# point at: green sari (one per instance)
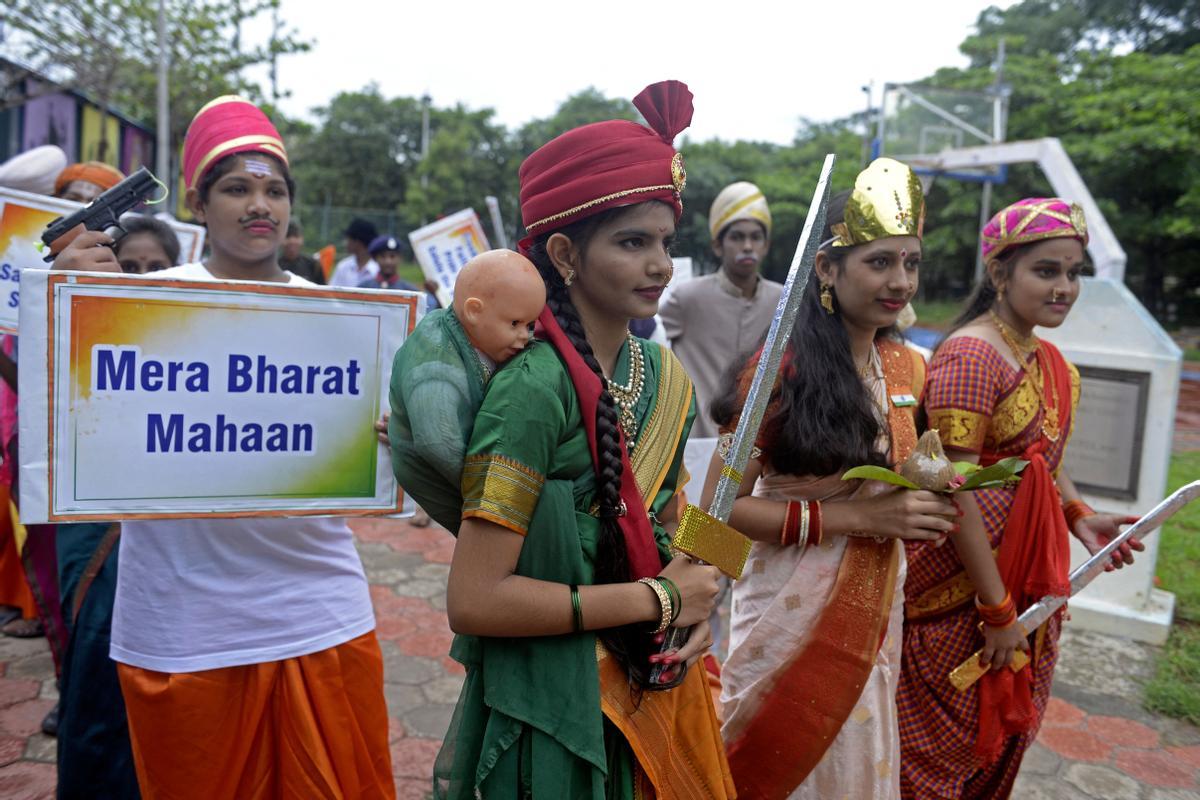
(529, 721)
(437, 378)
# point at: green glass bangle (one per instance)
(576, 608)
(676, 597)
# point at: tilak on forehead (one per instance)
(259, 168)
(227, 126)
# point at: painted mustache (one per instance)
(245, 221)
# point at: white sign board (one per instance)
(145, 397)
(23, 217)
(443, 247)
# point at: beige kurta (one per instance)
(711, 326)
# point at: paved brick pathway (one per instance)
(1098, 742)
(1187, 414)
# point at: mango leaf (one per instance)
(1002, 472)
(965, 467)
(871, 473)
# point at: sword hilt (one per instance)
(709, 541)
(965, 675)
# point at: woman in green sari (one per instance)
(562, 580)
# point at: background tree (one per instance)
(108, 49)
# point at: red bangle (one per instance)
(814, 523)
(791, 525)
(1000, 615)
(1075, 511)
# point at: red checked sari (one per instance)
(981, 404)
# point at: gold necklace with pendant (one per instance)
(1021, 350)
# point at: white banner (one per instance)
(145, 397)
(443, 247)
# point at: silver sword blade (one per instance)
(1082, 575)
(759, 395)
(764, 375)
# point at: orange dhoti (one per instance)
(315, 726)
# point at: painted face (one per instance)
(247, 211)
(502, 325)
(81, 191)
(742, 248)
(626, 264)
(877, 281)
(388, 261)
(1044, 283)
(141, 253)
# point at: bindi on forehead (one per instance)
(260, 169)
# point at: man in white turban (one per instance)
(34, 170)
(714, 320)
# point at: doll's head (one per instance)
(497, 297)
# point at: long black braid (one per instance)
(631, 645)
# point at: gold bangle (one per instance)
(664, 602)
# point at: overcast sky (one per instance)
(755, 68)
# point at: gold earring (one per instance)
(570, 277)
(1000, 295)
(826, 298)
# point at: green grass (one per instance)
(1191, 354)
(937, 314)
(1175, 689)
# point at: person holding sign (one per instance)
(562, 576)
(996, 390)
(246, 648)
(809, 697)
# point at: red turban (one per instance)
(225, 126)
(96, 172)
(595, 167)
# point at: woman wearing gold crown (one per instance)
(995, 390)
(810, 682)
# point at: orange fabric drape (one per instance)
(674, 735)
(14, 586)
(315, 726)
(815, 692)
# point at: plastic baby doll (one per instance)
(439, 375)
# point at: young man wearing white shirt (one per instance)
(358, 266)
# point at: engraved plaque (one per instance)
(1104, 456)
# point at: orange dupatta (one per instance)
(813, 695)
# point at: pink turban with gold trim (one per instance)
(224, 127)
(1032, 220)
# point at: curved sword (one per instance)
(966, 673)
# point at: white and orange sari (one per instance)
(810, 683)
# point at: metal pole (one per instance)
(985, 199)
(866, 155)
(425, 101)
(162, 161)
(985, 213)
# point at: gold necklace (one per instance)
(626, 397)
(1021, 350)
(1019, 344)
